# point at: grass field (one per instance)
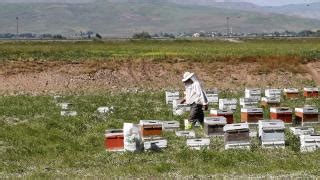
(35, 141)
(195, 50)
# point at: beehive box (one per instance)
(228, 104)
(282, 113)
(65, 105)
(171, 96)
(249, 102)
(68, 113)
(305, 130)
(236, 136)
(151, 128)
(198, 144)
(252, 92)
(310, 92)
(213, 126)
(180, 109)
(291, 93)
(251, 115)
(270, 101)
(228, 114)
(170, 125)
(307, 115)
(273, 93)
(114, 140)
(154, 143)
(213, 96)
(309, 143)
(271, 133)
(186, 134)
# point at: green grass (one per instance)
(36, 142)
(198, 50)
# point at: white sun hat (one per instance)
(186, 76)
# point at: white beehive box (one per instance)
(171, 96)
(155, 143)
(309, 143)
(252, 92)
(104, 110)
(187, 134)
(306, 130)
(65, 106)
(68, 113)
(228, 104)
(271, 133)
(180, 109)
(249, 102)
(170, 125)
(273, 93)
(236, 136)
(213, 97)
(213, 126)
(198, 144)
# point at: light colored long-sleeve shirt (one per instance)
(195, 94)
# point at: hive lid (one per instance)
(198, 142)
(280, 110)
(271, 124)
(218, 120)
(311, 89)
(150, 122)
(219, 111)
(239, 126)
(291, 90)
(252, 110)
(185, 134)
(307, 110)
(171, 123)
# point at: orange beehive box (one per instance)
(151, 127)
(281, 113)
(251, 115)
(310, 92)
(291, 93)
(228, 114)
(307, 115)
(114, 140)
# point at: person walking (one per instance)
(196, 97)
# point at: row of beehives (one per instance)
(67, 109)
(252, 98)
(147, 135)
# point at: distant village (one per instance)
(163, 35)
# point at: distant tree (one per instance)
(98, 36)
(142, 35)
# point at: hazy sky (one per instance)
(259, 2)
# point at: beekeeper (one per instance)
(196, 97)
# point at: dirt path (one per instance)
(52, 78)
(314, 70)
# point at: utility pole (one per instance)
(17, 18)
(228, 26)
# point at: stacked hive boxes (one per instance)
(310, 92)
(151, 132)
(228, 104)
(171, 96)
(271, 133)
(213, 126)
(213, 96)
(228, 114)
(236, 136)
(251, 115)
(253, 93)
(249, 102)
(306, 115)
(282, 113)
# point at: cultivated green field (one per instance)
(35, 141)
(195, 50)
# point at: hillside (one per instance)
(123, 18)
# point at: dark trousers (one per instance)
(196, 114)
